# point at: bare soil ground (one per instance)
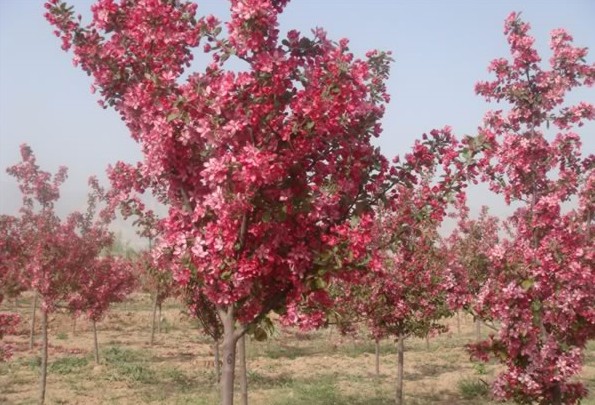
(292, 367)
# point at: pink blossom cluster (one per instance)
(540, 280)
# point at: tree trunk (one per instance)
(243, 370)
(557, 395)
(44, 357)
(377, 353)
(159, 318)
(459, 322)
(217, 362)
(96, 345)
(400, 349)
(428, 342)
(32, 330)
(477, 329)
(153, 321)
(74, 326)
(227, 317)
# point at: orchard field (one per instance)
(269, 213)
(293, 367)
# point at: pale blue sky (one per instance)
(441, 48)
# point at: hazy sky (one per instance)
(441, 48)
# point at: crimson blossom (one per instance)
(540, 282)
(10, 253)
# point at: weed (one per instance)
(179, 378)
(114, 354)
(471, 388)
(264, 381)
(32, 362)
(480, 368)
(287, 352)
(67, 365)
(127, 365)
(132, 372)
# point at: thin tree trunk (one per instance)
(428, 342)
(477, 329)
(159, 318)
(459, 322)
(44, 357)
(400, 361)
(557, 395)
(243, 370)
(74, 326)
(96, 344)
(377, 353)
(153, 321)
(32, 330)
(229, 355)
(217, 361)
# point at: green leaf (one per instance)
(172, 116)
(526, 284)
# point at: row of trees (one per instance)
(67, 263)
(277, 201)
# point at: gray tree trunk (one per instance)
(153, 321)
(243, 370)
(32, 330)
(96, 344)
(400, 362)
(459, 322)
(377, 355)
(217, 362)
(477, 329)
(43, 371)
(159, 318)
(227, 317)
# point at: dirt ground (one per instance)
(292, 367)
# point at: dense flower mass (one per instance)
(275, 193)
(540, 280)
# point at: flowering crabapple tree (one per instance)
(153, 269)
(10, 255)
(540, 286)
(13, 283)
(53, 251)
(106, 280)
(407, 296)
(303, 107)
(468, 248)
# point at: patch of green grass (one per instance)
(132, 372)
(128, 365)
(306, 393)
(115, 354)
(197, 399)
(357, 349)
(275, 351)
(263, 381)
(62, 336)
(480, 368)
(471, 388)
(67, 365)
(32, 362)
(181, 381)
